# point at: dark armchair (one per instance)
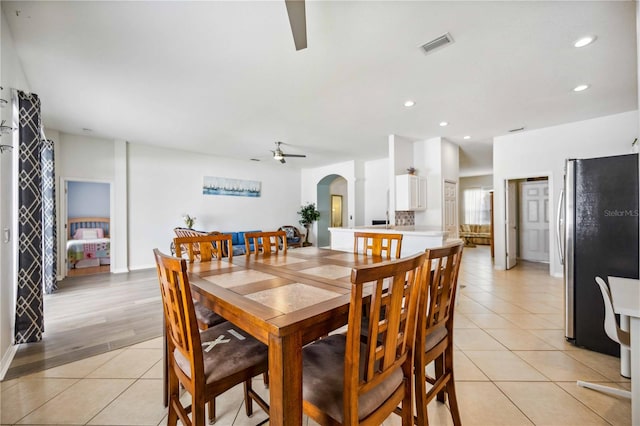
(294, 237)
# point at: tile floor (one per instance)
(513, 367)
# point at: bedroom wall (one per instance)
(11, 76)
(88, 199)
(164, 184)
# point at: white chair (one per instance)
(615, 333)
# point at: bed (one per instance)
(88, 245)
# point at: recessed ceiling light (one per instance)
(585, 41)
(466, 137)
(443, 124)
(409, 103)
(86, 129)
(581, 87)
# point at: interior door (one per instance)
(451, 208)
(511, 198)
(534, 221)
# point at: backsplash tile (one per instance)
(405, 218)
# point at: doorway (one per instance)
(527, 220)
(89, 204)
(328, 187)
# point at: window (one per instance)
(476, 206)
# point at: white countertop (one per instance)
(405, 230)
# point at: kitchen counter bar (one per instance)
(414, 239)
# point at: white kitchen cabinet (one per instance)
(411, 192)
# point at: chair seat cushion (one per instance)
(323, 379)
(228, 352)
(206, 315)
(435, 337)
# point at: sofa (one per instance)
(475, 234)
(237, 239)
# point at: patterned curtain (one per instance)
(29, 310)
(49, 239)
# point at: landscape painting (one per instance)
(235, 187)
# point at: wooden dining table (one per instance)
(285, 300)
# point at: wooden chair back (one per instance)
(434, 336)
(378, 244)
(181, 325)
(293, 234)
(265, 242)
(392, 309)
(188, 232)
(207, 246)
(443, 265)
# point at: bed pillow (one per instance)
(88, 233)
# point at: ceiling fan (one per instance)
(298, 22)
(279, 155)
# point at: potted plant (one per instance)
(308, 214)
(189, 220)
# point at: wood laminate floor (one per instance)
(90, 315)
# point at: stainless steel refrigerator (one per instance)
(600, 239)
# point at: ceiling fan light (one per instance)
(277, 156)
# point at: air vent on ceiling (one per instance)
(516, 130)
(437, 43)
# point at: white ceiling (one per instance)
(224, 77)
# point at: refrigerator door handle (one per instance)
(559, 227)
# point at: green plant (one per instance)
(189, 221)
(308, 214)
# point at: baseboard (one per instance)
(6, 360)
(120, 271)
(141, 267)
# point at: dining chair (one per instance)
(206, 364)
(294, 237)
(434, 336)
(615, 333)
(188, 232)
(347, 381)
(209, 247)
(377, 244)
(265, 242)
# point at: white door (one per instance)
(451, 208)
(534, 221)
(511, 198)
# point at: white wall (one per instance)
(543, 152)
(309, 184)
(401, 157)
(11, 77)
(376, 190)
(164, 184)
(83, 158)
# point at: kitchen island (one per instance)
(414, 239)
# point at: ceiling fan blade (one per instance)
(298, 22)
(282, 160)
(294, 155)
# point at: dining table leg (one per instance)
(285, 379)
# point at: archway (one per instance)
(327, 186)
